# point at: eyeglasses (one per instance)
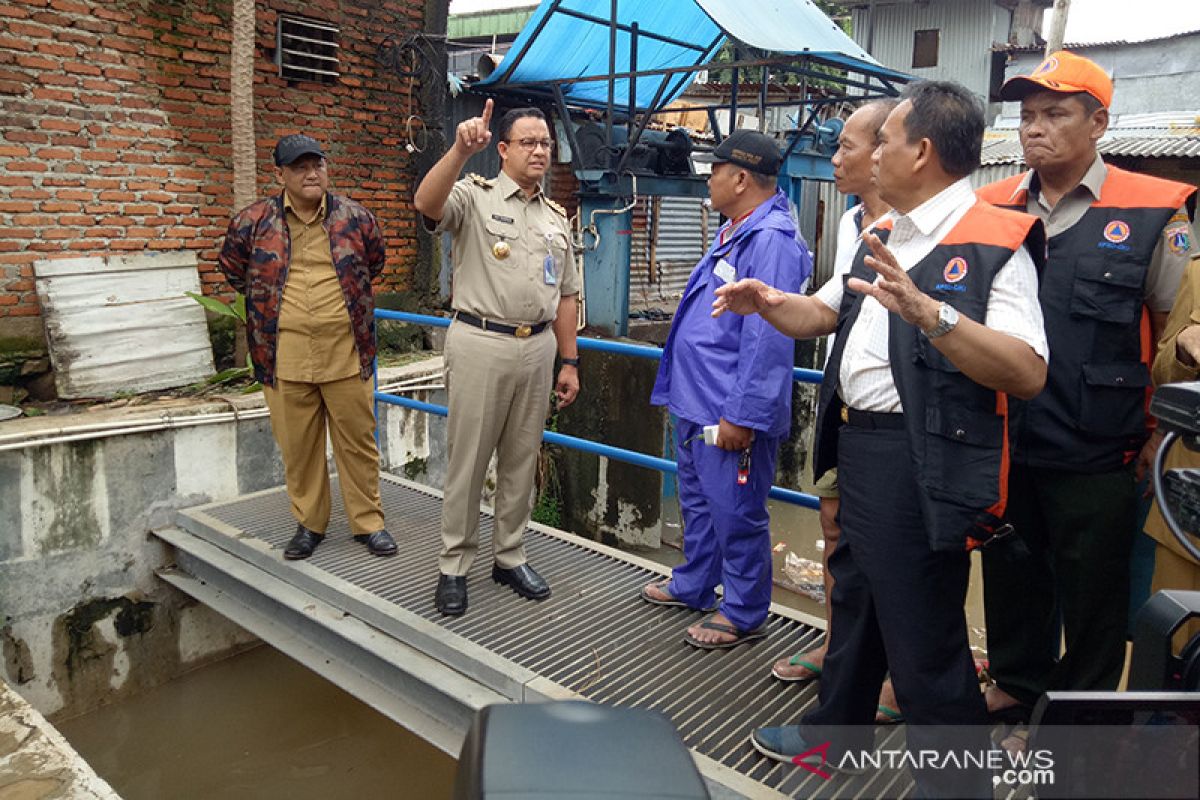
(529, 145)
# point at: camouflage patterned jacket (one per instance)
(255, 260)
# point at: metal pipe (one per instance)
(733, 94)
(584, 342)
(560, 100)
(764, 76)
(633, 68)
(612, 77)
(605, 450)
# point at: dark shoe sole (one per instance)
(296, 556)
(523, 593)
(457, 612)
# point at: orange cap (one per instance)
(1062, 72)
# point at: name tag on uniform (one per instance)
(505, 220)
(725, 271)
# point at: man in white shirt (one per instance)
(934, 330)
(852, 175)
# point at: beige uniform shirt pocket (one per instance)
(503, 244)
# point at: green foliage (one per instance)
(236, 309)
(547, 509)
(415, 468)
(235, 312)
(392, 337)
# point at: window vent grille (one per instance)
(306, 50)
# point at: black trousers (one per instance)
(1074, 584)
(897, 606)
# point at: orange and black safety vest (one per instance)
(1091, 415)
(956, 427)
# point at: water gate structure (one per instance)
(368, 624)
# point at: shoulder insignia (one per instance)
(562, 212)
(1178, 236)
(479, 180)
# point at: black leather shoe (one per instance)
(523, 580)
(451, 596)
(380, 543)
(302, 544)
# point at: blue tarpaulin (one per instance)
(566, 39)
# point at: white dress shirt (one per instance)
(865, 377)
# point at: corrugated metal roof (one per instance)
(507, 22)
(1085, 45)
(1141, 143)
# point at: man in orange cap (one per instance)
(1118, 243)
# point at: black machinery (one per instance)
(574, 750)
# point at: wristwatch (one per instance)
(570, 362)
(947, 320)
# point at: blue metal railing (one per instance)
(587, 445)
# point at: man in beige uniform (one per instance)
(305, 260)
(514, 277)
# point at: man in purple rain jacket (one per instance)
(735, 373)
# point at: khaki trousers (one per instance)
(499, 389)
(300, 415)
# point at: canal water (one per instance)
(256, 726)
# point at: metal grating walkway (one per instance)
(593, 638)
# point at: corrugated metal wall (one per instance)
(681, 235)
(831, 204)
(996, 172)
(964, 49)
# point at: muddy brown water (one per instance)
(254, 727)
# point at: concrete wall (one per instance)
(85, 621)
(37, 762)
(1148, 77)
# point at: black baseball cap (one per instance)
(291, 147)
(748, 149)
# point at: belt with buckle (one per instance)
(519, 331)
(872, 420)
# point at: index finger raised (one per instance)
(487, 112)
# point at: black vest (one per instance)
(956, 427)
(1091, 415)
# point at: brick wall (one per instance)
(115, 131)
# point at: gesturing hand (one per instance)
(472, 135)
(894, 290)
(1187, 345)
(745, 297)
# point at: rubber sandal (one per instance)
(890, 716)
(662, 587)
(742, 636)
(796, 661)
